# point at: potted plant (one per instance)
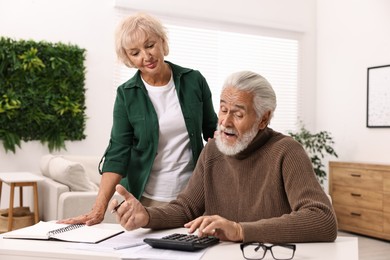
(317, 145)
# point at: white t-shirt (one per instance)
(173, 164)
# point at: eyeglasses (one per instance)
(257, 251)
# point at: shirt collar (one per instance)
(136, 81)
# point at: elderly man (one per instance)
(251, 183)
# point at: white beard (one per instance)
(241, 143)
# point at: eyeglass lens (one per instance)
(257, 251)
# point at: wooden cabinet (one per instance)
(361, 197)
(386, 204)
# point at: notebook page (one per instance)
(86, 234)
(37, 231)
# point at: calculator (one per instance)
(182, 242)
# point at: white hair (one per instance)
(264, 98)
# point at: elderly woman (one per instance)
(160, 115)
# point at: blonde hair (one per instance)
(131, 28)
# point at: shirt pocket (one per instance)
(140, 140)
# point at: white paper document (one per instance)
(148, 252)
(128, 239)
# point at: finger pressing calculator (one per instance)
(182, 242)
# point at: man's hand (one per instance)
(216, 226)
(95, 216)
(131, 214)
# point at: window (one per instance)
(216, 53)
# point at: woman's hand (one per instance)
(107, 184)
(216, 226)
(95, 216)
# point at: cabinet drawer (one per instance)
(355, 197)
(359, 178)
(361, 218)
(386, 182)
(386, 224)
(386, 202)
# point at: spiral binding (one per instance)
(64, 229)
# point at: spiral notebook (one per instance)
(64, 232)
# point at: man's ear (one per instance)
(264, 120)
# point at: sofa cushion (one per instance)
(67, 172)
(44, 164)
(90, 164)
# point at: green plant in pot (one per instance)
(317, 145)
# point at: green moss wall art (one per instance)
(42, 93)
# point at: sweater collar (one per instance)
(260, 139)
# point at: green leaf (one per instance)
(42, 93)
(317, 145)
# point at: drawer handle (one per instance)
(356, 214)
(356, 194)
(355, 175)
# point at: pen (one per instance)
(130, 245)
(117, 207)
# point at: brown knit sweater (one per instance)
(269, 188)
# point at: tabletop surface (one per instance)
(19, 249)
(9, 177)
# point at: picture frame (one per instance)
(378, 97)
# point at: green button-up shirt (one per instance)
(135, 131)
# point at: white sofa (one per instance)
(70, 186)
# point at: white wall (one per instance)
(352, 36)
(90, 24)
(87, 23)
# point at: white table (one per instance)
(17, 249)
(20, 179)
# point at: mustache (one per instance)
(227, 130)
